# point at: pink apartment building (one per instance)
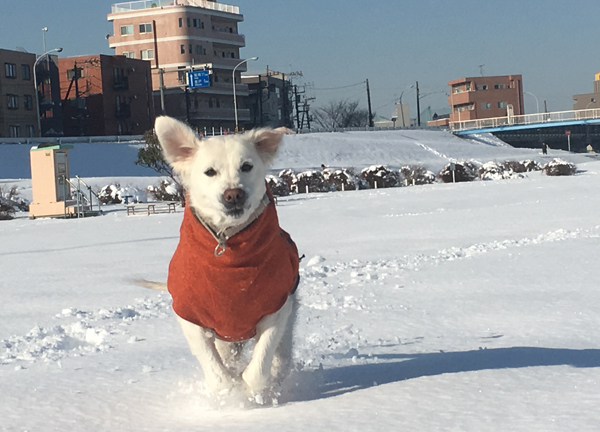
(177, 36)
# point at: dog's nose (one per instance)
(234, 196)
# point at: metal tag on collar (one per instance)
(220, 249)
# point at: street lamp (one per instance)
(536, 101)
(401, 107)
(234, 97)
(37, 97)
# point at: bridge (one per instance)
(527, 121)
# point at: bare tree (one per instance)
(341, 114)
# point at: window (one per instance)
(190, 48)
(10, 69)
(26, 72)
(30, 131)
(126, 30)
(499, 86)
(195, 21)
(146, 28)
(180, 22)
(129, 54)
(218, 102)
(182, 49)
(28, 102)
(12, 101)
(71, 73)
(14, 131)
(189, 22)
(199, 49)
(502, 104)
(147, 54)
(486, 105)
(210, 102)
(181, 74)
(482, 87)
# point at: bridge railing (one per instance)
(526, 119)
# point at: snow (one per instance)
(455, 307)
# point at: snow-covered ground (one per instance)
(466, 307)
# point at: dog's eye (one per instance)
(210, 172)
(247, 167)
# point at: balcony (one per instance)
(149, 4)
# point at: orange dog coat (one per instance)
(230, 293)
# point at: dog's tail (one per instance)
(161, 286)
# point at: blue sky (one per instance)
(393, 43)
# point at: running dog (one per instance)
(234, 273)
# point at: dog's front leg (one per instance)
(269, 332)
(202, 345)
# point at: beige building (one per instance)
(178, 36)
(18, 116)
(485, 97)
(588, 100)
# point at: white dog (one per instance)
(235, 271)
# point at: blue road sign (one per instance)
(198, 78)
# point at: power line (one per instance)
(338, 88)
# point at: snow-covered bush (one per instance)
(501, 171)
(380, 176)
(530, 165)
(166, 190)
(344, 179)
(463, 172)
(10, 202)
(559, 167)
(288, 176)
(416, 175)
(278, 186)
(115, 194)
(311, 181)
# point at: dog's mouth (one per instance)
(235, 212)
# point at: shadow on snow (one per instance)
(325, 383)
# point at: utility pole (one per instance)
(371, 124)
(418, 106)
(161, 80)
(296, 99)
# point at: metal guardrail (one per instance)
(75, 140)
(526, 119)
(148, 4)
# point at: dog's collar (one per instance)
(226, 233)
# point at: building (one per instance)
(106, 95)
(269, 100)
(400, 117)
(588, 100)
(177, 36)
(48, 89)
(485, 97)
(18, 116)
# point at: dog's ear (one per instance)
(267, 142)
(178, 141)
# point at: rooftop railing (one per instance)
(149, 4)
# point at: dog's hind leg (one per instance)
(269, 332)
(202, 345)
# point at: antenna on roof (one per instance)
(21, 49)
(481, 69)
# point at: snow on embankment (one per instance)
(433, 149)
